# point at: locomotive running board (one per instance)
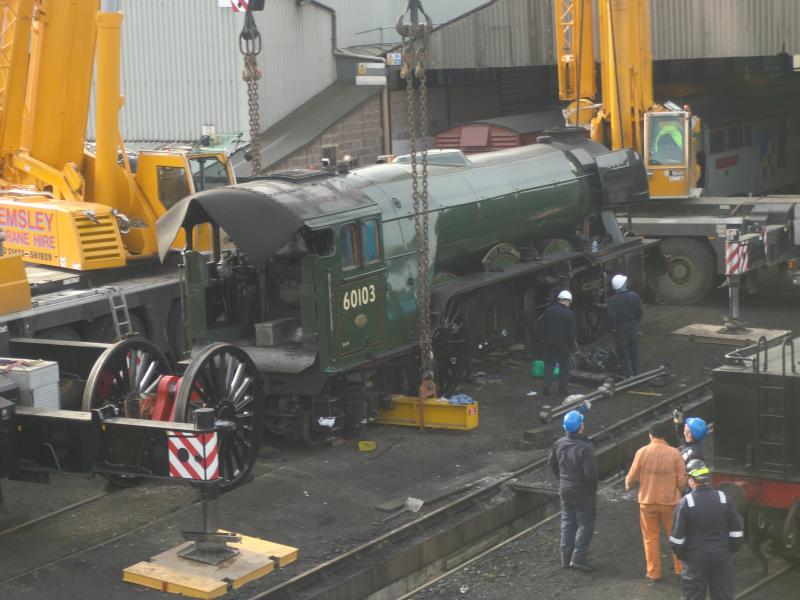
(438, 413)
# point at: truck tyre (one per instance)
(690, 271)
(102, 329)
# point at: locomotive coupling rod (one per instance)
(210, 546)
(607, 390)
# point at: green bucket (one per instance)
(537, 369)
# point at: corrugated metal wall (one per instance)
(724, 28)
(513, 33)
(506, 33)
(181, 66)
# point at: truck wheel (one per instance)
(690, 271)
(102, 329)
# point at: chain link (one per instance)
(251, 75)
(250, 47)
(414, 48)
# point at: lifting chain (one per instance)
(250, 47)
(415, 42)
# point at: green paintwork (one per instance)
(513, 196)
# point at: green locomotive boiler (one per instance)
(313, 274)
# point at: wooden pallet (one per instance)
(714, 334)
(169, 572)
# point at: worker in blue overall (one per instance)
(706, 531)
(558, 332)
(624, 317)
(694, 430)
(573, 463)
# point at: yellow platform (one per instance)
(438, 413)
(169, 572)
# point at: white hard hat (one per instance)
(618, 281)
(565, 295)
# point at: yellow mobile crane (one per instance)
(61, 205)
(705, 239)
(664, 134)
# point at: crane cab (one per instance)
(669, 153)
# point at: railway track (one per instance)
(53, 513)
(511, 511)
(766, 582)
(405, 558)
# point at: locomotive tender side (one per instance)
(325, 274)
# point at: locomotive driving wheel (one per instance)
(124, 376)
(223, 377)
(451, 347)
(128, 370)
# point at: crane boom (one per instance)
(627, 116)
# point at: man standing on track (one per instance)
(558, 331)
(624, 317)
(573, 463)
(706, 530)
(661, 473)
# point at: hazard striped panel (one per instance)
(193, 456)
(737, 258)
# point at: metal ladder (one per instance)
(119, 313)
(763, 408)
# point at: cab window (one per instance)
(172, 185)
(208, 173)
(370, 243)
(666, 140)
(348, 246)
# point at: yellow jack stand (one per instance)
(438, 413)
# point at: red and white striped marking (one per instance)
(239, 5)
(737, 258)
(193, 455)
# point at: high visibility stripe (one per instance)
(680, 541)
(722, 497)
(736, 534)
(690, 500)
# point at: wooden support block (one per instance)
(283, 555)
(160, 577)
(169, 572)
(714, 334)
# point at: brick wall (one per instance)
(358, 134)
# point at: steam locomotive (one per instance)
(756, 447)
(313, 273)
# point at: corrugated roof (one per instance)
(524, 123)
(302, 126)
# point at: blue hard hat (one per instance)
(698, 427)
(572, 421)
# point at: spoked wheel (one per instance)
(451, 348)
(223, 377)
(123, 376)
(128, 370)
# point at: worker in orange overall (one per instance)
(659, 470)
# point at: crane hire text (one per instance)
(24, 221)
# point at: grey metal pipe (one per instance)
(607, 390)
